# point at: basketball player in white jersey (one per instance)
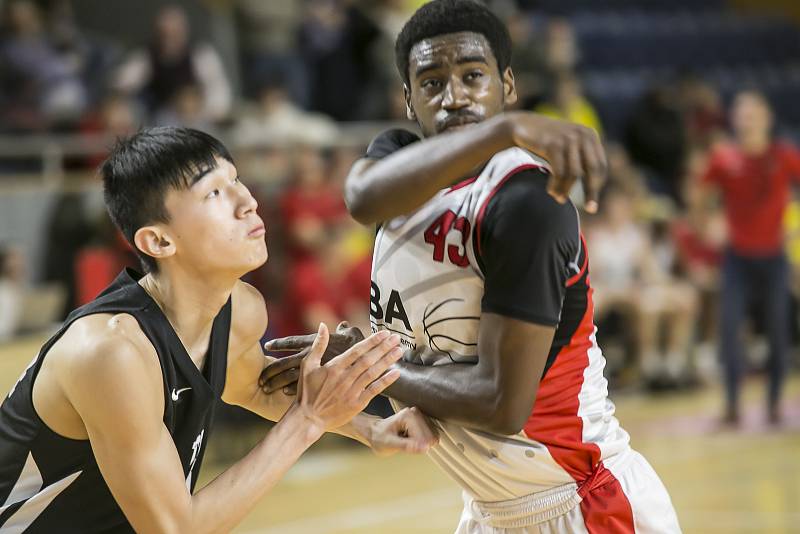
(480, 267)
(105, 431)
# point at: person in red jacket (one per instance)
(754, 175)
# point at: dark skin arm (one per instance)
(379, 190)
(495, 395)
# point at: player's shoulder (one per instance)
(511, 161)
(249, 317)
(522, 205)
(105, 344)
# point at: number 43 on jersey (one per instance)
(436, 235)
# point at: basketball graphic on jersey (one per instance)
(446, 329)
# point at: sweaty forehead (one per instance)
(450, 47)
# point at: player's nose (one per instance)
(247, 203)
(455, 94)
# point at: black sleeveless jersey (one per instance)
(49, 483)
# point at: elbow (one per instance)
(507, 418)
(507, 424)
(358, 204)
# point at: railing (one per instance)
(54, 149)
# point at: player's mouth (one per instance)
(257, 231)
(458, 122)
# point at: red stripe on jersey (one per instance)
(462, 183)
(554, 420)
(555, 423)
(607, 509)
(574, 279)
(482, 211)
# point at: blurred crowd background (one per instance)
(297, 88)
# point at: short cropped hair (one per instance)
(142, 168)
(441, 17)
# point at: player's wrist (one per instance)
(313, 427)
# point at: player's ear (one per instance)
(409, 110)
(509, 87)
(154, 241)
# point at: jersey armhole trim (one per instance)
(461, 184)
(476, 244)
(572, 281)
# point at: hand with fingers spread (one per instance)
(573, 151)
(284, 372)
(331, 394)
(409, 430)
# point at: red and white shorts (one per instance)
(627, 498)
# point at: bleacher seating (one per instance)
(628, 45)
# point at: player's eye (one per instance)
(213, 194)
(474, 75)
(430, 83)
(237, 180)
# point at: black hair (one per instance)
(440, 17)
(143, 167)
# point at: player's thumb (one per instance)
(318, 346)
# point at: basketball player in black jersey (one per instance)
(105, 431)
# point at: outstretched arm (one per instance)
(406, 431)
(395, 180)
(116, 378)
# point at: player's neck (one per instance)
(189, 301)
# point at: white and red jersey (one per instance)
(428, 285)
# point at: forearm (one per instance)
(222, 504)
(405, 180)
(456, 393)
(359, 429)
(273, 407)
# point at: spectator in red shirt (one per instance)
(310, 204)
(754, 176)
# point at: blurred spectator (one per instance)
(703, 113)
(38, 87)
(792, 226)
(66, 232)
(101, 260)
(172, 62)
(629, 278)
(310, 205)
(567, 102)
(655, 137)
(268, 32)
(531, 75)
(92, 58)
(331, 286)
(699, 236)
(116, 116)
(626, 177)
(754, 176)
(12, 274)
(185, 109)
(276, 120)
(561, 51)
(335, 41)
